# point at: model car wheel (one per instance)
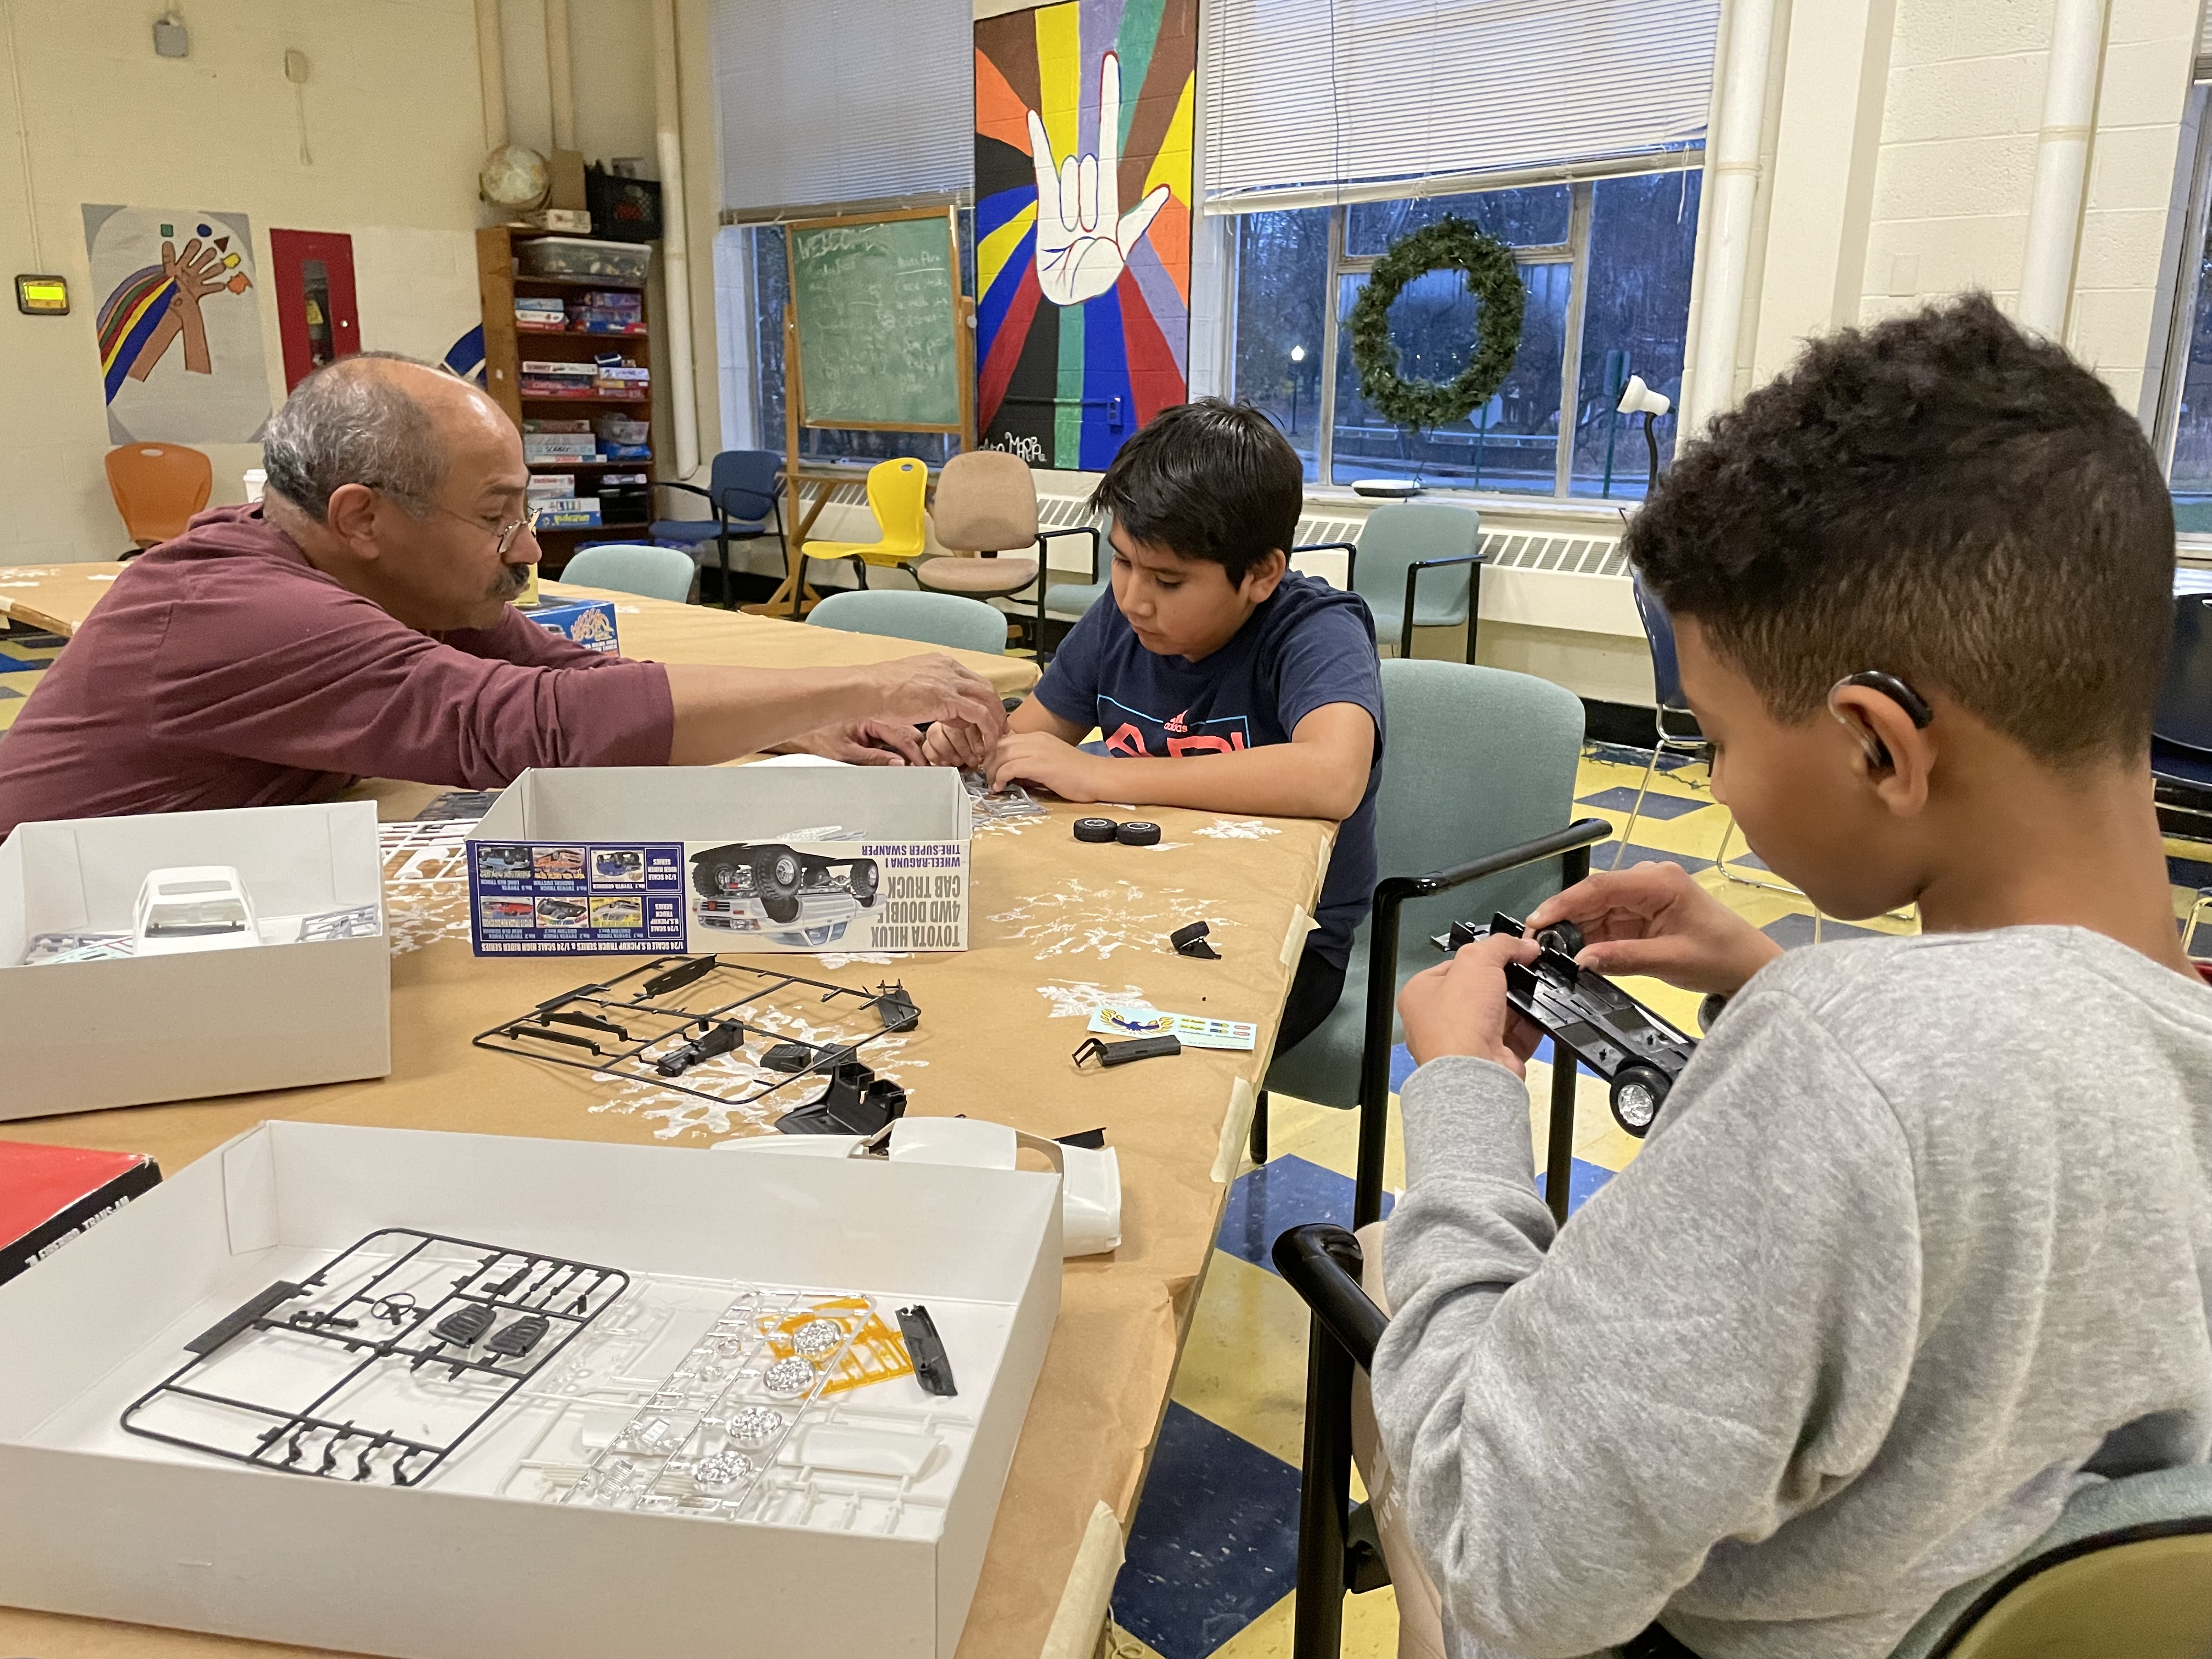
(710, 877)
(776, 875)
(862, 880)
(1637, 1092)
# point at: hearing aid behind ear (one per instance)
(1898, 692)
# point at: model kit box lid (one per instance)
(731, 803)
(49, 1194)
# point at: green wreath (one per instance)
(1450, 244)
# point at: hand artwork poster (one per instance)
(1083, 192)
(179, 325)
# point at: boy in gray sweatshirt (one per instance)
(1922, 1241)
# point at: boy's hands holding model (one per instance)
(1650, 919)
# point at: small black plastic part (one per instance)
(544, 1035)
(1120, 1054)
(790, 1057)
(895, 1008)
(1563, 937)
(592, 1022)
(464, 1326)
(931, 1368)
(1191, 942)
(1090, 1140)
(726, 1038)
(1139, 832)
(393, 1308)
(518, 1336)
(567, 996)
(308, 1319)
(507, 1285)
(243, 1316)
(1096, 829)
(676, 978)
(856, 1103)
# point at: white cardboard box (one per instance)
(662, 859)
(127, 1031)
(105, 1524)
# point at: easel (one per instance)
(825, 479)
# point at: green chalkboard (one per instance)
(878, 323)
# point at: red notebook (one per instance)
(49, 1194)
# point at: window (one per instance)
(2183, 423)
(754, 282)
(1607, 265)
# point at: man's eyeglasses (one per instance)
(506, 532)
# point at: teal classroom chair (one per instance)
(1071, 601)
(1401, 544)
(655, 572)
(1479, 765)
(902, 614)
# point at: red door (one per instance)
(315, 313)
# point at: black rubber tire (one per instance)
(709, 876)
(863, 879)
(1565, 938)
(777, 873)
(1643, 1081)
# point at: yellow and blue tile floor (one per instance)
(1211, 1550)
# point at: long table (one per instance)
(1054, 923)
(60, 596)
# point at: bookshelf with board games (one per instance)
(570, 358)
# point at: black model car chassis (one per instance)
(1637, 1053)
(778, 876)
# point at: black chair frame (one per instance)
(1351, 552)
(744, 530)
(1044, 572)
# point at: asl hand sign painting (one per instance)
(1083, 239)
(1083, 172)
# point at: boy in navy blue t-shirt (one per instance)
(1216, 678)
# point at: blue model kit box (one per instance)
(688, 861)
(589, 622)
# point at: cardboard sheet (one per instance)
(1057, 927)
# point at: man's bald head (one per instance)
(377, 419)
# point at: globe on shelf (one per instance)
(514, 176)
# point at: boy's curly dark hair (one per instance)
(1941, 496)
(1207, 480)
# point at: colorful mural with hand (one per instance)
(1083, 317)
(179, 327)
(154, 305)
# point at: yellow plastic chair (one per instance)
(895, 489)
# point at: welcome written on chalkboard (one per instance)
(878, 323)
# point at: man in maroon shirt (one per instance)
(357, 624)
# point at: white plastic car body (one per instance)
(192, 908)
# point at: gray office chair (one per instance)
(657, 572)
(1401, 542)
(905, 613)
(1480, 764)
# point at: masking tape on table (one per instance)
(1294, 942)
(1082, 1602)
(1236, 1130)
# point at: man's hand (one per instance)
(919, 690)
(1460, 1008)
(1652, 919)
(950, 743)
(861, 742)
(1040, 758)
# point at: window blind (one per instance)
(1310, 101)
(827, 103)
